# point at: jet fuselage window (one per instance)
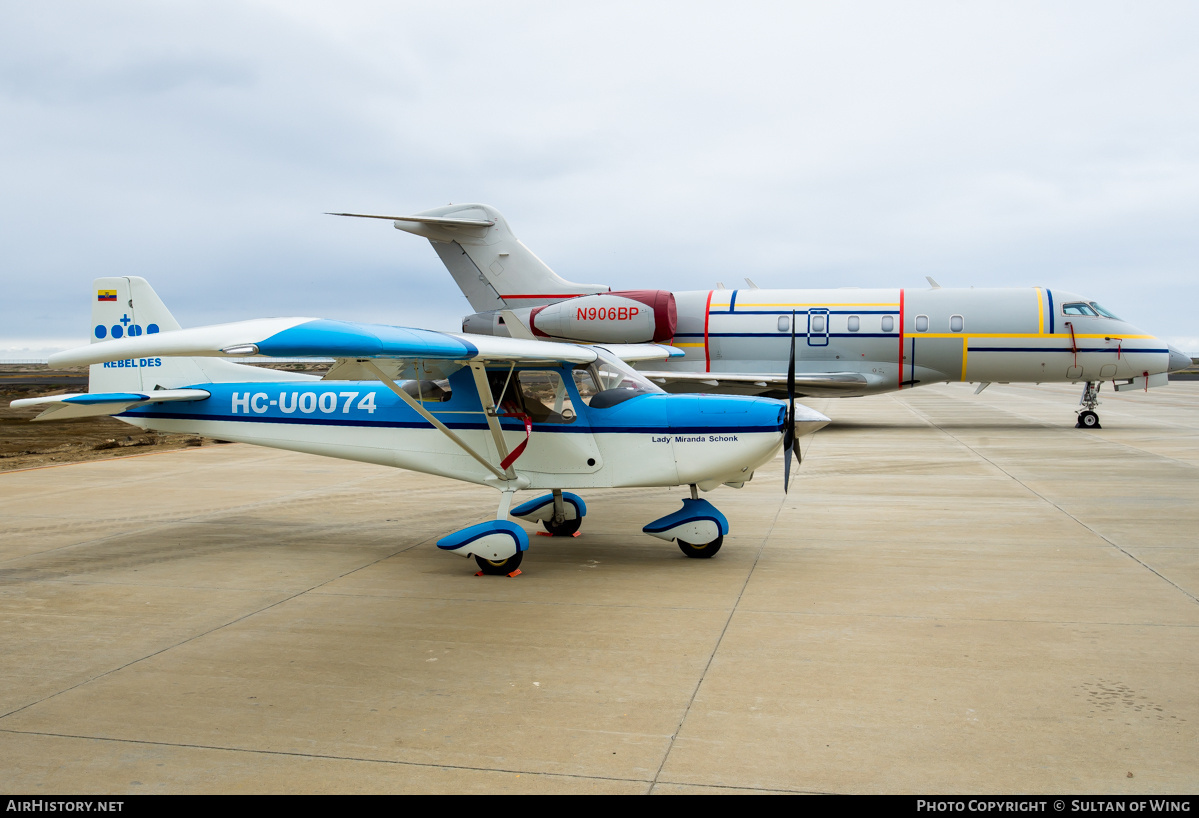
(956, 322)
(854, 323)
(817, 323)
(784, 323)
(921, 323)
(1078, 308)
(888, 324)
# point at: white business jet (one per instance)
(851, 341)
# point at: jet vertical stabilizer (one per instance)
(492, 267)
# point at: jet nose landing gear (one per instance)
(1087, 418)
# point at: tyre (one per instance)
(497, 568)
(702, 551)
(565, 529)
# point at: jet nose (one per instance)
(1178, 360)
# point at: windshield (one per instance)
(1102, 311)
(609, 381)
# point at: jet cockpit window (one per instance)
(545, 397)
(1078, 308)
(1102, 311)
(608, 382)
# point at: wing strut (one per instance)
(420, 410)
(491, 413)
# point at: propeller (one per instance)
(789, 429)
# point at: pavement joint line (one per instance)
(322, 756)
(1053, 503)
(719, 639)
(202, 634)
(398, 762)
(196, 519)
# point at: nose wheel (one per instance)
(1087, 418)
(566, 528)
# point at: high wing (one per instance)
(395, 349)
(806, 383)
(95, 404)
(315, 337)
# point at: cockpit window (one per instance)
(545, 397)
(608, 382)
(1077, 308)
(1102, 311)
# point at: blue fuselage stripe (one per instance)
(553, 428)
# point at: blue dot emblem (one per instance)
(134, 330)
(117, 330)
(151, 329)
(101, 332)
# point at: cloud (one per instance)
(672, 145)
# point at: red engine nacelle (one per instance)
(627, 317)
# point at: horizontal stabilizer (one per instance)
(96, 404)
(439, 222)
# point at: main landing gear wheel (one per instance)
(498, 568)
(563, 529)
(1088, 420)
(701, 551)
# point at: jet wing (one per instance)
(94, 404)
(630, 353)
(806, 383)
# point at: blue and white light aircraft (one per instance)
(514, 414)
(852, 341)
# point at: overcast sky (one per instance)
(667, 145)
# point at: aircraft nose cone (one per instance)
(808, 420)
(1178, 360)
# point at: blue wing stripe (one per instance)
(341, 339)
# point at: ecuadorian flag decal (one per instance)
(106, 295)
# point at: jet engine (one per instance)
(626, 317)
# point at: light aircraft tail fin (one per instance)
(128, 307)
(491, 266)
